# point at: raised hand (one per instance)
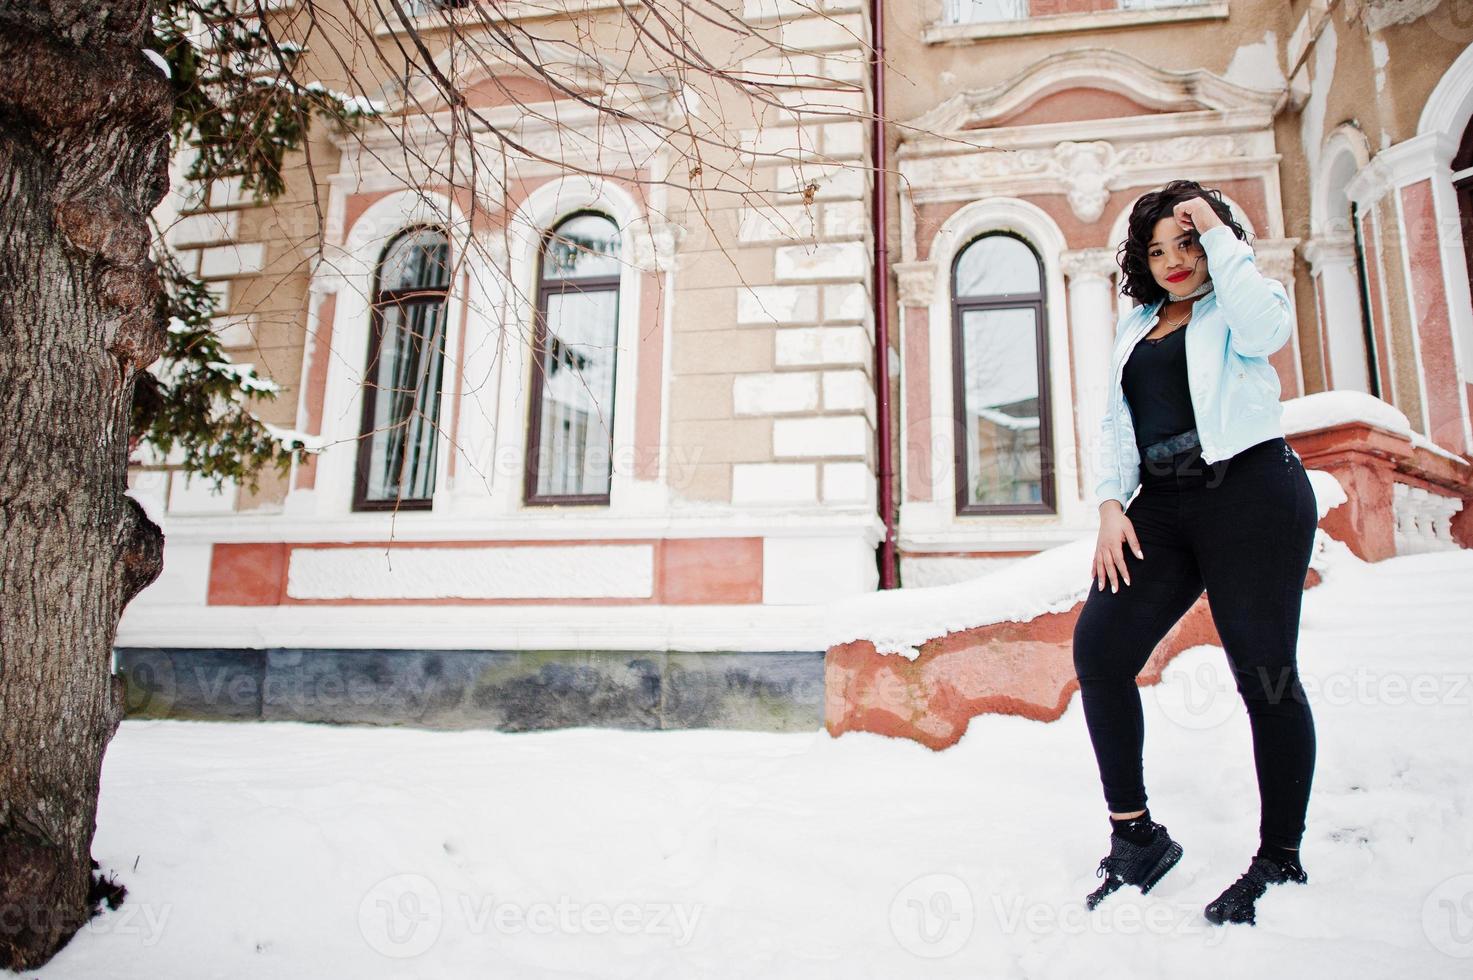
(1195, 214)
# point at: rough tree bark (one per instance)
(84, 121)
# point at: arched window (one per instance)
(406, 357)
(1339, 266)
(999, 336)
(1463, 186)
(571, 424)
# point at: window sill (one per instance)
(1061, 23)
(470, 18)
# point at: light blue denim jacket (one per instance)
(1234, 389)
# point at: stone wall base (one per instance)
(1009, 668)
(496, 689)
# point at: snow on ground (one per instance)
(290, 850)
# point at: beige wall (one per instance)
(724, 248)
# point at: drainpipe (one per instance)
(878, 214)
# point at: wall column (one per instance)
(1332, 264)
(1275, 259)
(917, 289)
(1091, 339)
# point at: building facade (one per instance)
(601, 427)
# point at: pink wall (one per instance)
(918, 404)
(1445, 395)
(717, 571)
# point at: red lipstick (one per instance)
(1179, 276)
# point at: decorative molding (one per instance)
(1328, 250)
(943, 33)
(1413, 159)
(1159, 90)
(1447, 110)
(653, 245)
(1275, 259)
(471, 18)
(472, 59)
(1329, 201)
(1085, 172)
(1089, 263)
(1381, 14)
(917, 282)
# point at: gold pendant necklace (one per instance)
(1174, 327)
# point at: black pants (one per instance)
(1243, 529)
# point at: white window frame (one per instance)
(1138, 13)
(355, 268)
(542, 210)
(936, 519)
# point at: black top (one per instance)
(1155, 385)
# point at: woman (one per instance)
(1224, 504)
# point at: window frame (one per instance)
(943, 31)
(469, 18)
(382, 298)
(1363, 293)
(1461, 177)
(546, 288)
(1038, 302)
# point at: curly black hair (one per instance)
(1136, 280)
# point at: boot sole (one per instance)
(1167, 862)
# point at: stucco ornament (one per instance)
(917, 282)
(1380, 14)
(655, 246)
(1086, 169)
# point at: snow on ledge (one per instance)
(1051, 581)
(1326, 408)
(900, 620)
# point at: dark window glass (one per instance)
(571, 427)
(406, 359)
(1003, 444)
(1463, 186)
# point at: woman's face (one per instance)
(1177, 264)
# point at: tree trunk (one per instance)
(84, 122)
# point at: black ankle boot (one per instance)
(1236, 903)
(1130, 863)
